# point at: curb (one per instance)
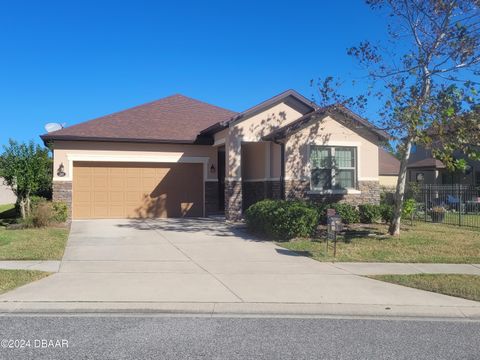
(243, 309)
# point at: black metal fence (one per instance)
(448, 204)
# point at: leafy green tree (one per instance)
(426, 78)
(26, 168)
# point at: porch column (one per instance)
(233, 178)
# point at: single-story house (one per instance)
(7, 196)
(388, 169)
(180, 157)
(424, 168)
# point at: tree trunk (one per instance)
(28, 205)
(400, 191)
(23, 212)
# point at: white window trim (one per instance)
(332, 146)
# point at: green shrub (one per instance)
(347, 212)
(321, 210)
(60, 212)
(408, 209)
(369, 213)
(260, 215)
(387, 196)
(282, 219)
(36, 200)
(386, 212)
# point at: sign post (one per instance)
(334, 226)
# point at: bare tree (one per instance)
(427, 76)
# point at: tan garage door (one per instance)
(131, 190)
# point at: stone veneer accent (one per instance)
(254, 191)
(211, 198)
(233, 200)
(62, 191)
(370, 193)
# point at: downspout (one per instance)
(282, 168)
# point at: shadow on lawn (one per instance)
(8, 217)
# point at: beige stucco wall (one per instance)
(275, 161)
(388, 181)
(329, 132)
(251, 130)
(255, 160)
(67, 152)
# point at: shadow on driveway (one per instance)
(206, 226)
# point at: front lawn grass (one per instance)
(33, 244)
(464, 286)
(420, 243)
(10, 279)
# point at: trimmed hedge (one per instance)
(386, 212)
(369, 213)
(280, 219)
(284, 220)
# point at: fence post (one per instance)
(425, 187)
(459, 193)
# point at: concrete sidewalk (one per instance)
(406, 268)
(203, 266)
(40, 265)
(352, 268)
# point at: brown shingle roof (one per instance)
(176, 118)
(428, 162)
(387, 163)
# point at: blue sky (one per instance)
(66, 61)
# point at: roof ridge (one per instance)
(98, 118)
(203, 102)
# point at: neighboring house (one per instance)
(6, 194)
(423, 168)
(182, 157)
(388, 169)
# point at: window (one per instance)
(333, 167)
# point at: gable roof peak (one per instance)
(175, 118)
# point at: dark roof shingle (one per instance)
(387, 163)
(176, 118)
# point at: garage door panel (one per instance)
(132, 182)
(117, 211)
(116, 197)
(122, 190)
(116, 181)
(101, 211)
(100, 197)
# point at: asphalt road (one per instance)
(185, 337)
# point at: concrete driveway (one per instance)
(202, 261)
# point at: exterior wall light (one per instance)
(212, 169)
(61, 170)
